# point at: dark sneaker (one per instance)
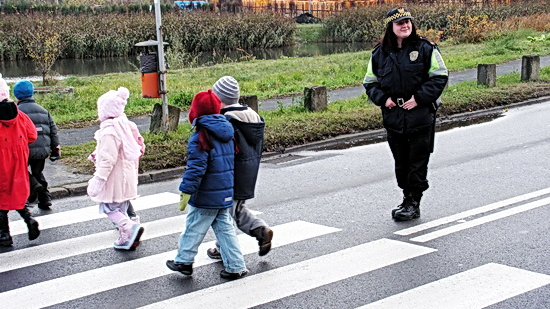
(264, 235)
(214, 254)
(44, 200)
(45, 206)
(34, 232)
(232, 276)
(409, 211)
(5, 240)
(182, 268)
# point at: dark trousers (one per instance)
(37, 167)
(411, 152)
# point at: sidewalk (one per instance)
(63, 182)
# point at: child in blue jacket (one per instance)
(207, 186)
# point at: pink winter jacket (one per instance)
(121, 174)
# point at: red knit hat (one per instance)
(204, 103)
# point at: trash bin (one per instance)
(149, 68)
(150, 87)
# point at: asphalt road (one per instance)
(482, 240)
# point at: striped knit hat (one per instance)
(227, 89)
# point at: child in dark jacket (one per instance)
(46, 145)
(249, 140)
(207, 186)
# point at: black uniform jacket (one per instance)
(417, 69)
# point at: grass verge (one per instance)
(290, 126)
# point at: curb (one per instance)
(347, 140)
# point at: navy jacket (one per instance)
(209, 174)
(45, 126)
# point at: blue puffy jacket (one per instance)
(209, 174)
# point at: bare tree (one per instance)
(43, 44)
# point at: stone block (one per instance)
(315, 98)
(487, 74)
(172, 119)
(530, 68)
(250, 100)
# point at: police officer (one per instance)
(405, 77)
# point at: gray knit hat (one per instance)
(227, 89)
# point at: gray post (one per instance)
(315, 98)
(530, 68)
(487, 74)
(250, 100)
(162, 67)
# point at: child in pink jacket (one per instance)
(116, 161)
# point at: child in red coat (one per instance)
(17, 131)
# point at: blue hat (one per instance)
(23, 89)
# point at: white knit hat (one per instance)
(111, 104)
(227, 89)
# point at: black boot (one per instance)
(44, 200)
(32, 224)
(400, 206)
(5, 237)
(409, 211)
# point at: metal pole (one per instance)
(162, 67)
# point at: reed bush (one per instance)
(366, 23)
(114, 34)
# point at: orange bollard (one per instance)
(150, 85)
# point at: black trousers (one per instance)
(411, 152)
(37, 168)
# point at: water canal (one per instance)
(24, 69)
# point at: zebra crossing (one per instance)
(477, 287)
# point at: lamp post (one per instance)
(162, 67)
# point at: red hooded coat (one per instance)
(15, 136)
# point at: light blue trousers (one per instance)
(198, 222)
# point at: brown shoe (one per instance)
(264, 235)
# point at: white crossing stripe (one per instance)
(300, 277)
(473, 289)
(482, 220)
(79, 285)
(90, 243)
(472, 212)
(92, 213)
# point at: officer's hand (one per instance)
(390, 103)
(184, 199)
(410, 104)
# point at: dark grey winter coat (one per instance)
(45, 127)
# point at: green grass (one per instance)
(306, 33)
(267, 78)
(291, 126)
